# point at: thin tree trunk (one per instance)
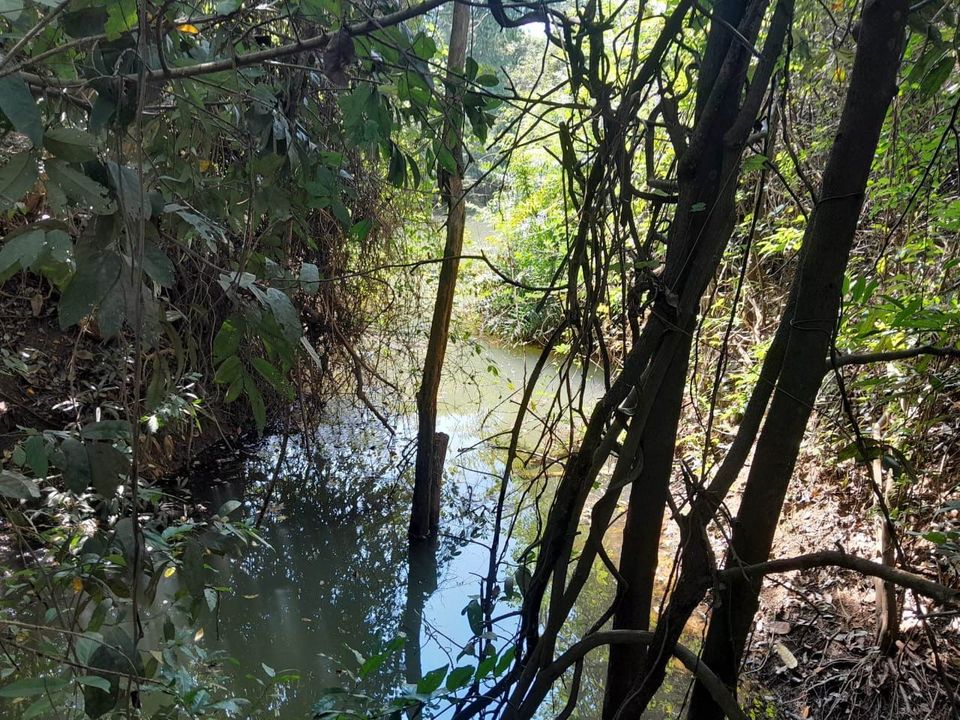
(452, 187)
(819, 281)
(888, 609)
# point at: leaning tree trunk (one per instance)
(708, 179)
(819, 281)
(429, 465)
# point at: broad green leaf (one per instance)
(256, 404)
(94, 681)
(227, 341)
(11, 9)
(16, 178)
(32, 686)
(270, 373)
(132, 197)
(446, 160)
(460, 677)
(79, 188)
(72, 460)
(94, 278)
(284, 313)
(432, 680)
(71, 144)
(505, 660)
(106, 430)
(22, 250)
(235, 388)
(108, 467)
(15, 485)
(21, 109)
(35, 450)
(487, 80)
(309, 278)
(229, 370)
(157, 265)
(474, 616)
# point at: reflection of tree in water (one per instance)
(336, 578)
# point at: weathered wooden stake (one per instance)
(440, 442)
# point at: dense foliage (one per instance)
(216, 219)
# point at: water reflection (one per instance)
(341, 581)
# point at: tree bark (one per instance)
(829, 238)
(708, 179)
(452, 187)
(888, 609)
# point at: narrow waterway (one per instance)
(337, 582)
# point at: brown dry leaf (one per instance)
(779, 627)
(36, 304)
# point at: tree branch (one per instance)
(690, 660)
(834, 558)
(885, 356)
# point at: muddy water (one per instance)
(338, 581)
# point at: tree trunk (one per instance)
(888, 609)
(698, 238)
(828, 241)
(452, 187)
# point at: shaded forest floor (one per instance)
(814, 644)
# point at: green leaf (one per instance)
(16, 178)
(22, 250)
(72, 460)
(505, 660)
(227, 341)
(937, 76)
(271, 374)
(71, 144)
(94, 278)
(284, 313)
(21, 109)
(229, 370)
(108, 468)
(79, 188)
(309, 278)
(432, 680)
(32, 686)
(235, 388)
(11, 9)
(446, 159)
(460, 677)
(474, 616)
(106, 430)
(94, 681)
(157, 265)
(35, 450)
(487, 80)
(17, 486)
(256, 404)
(133, 198)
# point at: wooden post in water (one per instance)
(451, 186)
(440, 442)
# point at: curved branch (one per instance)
(834, 558)
(723, 697)
(904, 354)
(254, 58)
